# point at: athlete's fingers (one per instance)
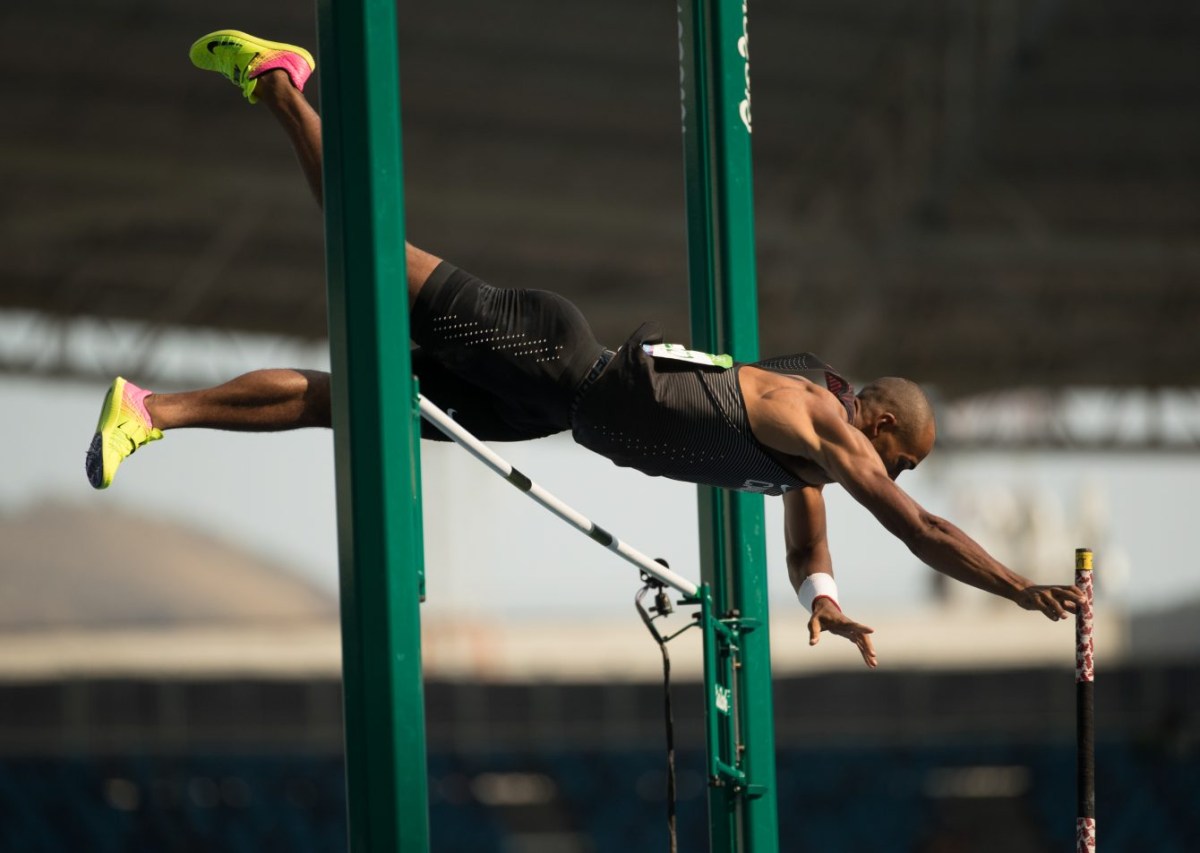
(814, 630)
(1060, 612)
(1067, 597)
(867, 649)
(860, 635)
(1049, 605)
(1053, 601)
(1075, 593)
(851, 629)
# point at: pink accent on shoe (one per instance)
(293, 63)
(135, 397)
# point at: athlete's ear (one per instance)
(885, 422)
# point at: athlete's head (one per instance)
(896, 416)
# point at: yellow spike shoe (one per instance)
(124, 426)
(242, 58)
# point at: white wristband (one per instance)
(817, 585)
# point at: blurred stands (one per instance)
(872, 762)
(983, 797)
(980, 195)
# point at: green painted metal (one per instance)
(375, 429)
(722, 657)
(716, 117)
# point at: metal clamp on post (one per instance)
(722, 664)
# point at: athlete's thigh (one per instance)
(477, 410)
(529, 348)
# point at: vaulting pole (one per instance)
(715, 79)
(1085, 732)
(375, 429)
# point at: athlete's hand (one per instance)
(827, 616)
(1055, 601)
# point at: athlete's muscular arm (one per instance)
(808, 553)
(804, 534)
(801, 422)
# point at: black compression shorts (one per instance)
(505, 363)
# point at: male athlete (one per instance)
(521, 364)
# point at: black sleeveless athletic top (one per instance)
(669, 418)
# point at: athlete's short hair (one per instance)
(903, 398)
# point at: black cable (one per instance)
(662, 606)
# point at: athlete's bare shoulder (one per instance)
(790, 414)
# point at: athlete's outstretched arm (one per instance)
(848, 457)
(806, 422)
(807, 555)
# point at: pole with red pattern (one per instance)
(1085, 821)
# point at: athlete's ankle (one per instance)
(274, 86)
(154, 407)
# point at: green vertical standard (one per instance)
(715, 75)
(375, 437)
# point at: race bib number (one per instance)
(678, 352)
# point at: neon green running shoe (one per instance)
(242, 58)
(124, 426)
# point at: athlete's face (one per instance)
(898, 453)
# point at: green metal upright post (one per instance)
(715, 78)
(375, 432)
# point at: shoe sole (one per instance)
(200, 50)
(109, 413)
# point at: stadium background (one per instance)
(999, 199)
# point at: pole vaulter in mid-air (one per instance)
(513, 364)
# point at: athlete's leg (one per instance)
(303, 127)
(298, 119)
(260, 401)
(275, 73)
